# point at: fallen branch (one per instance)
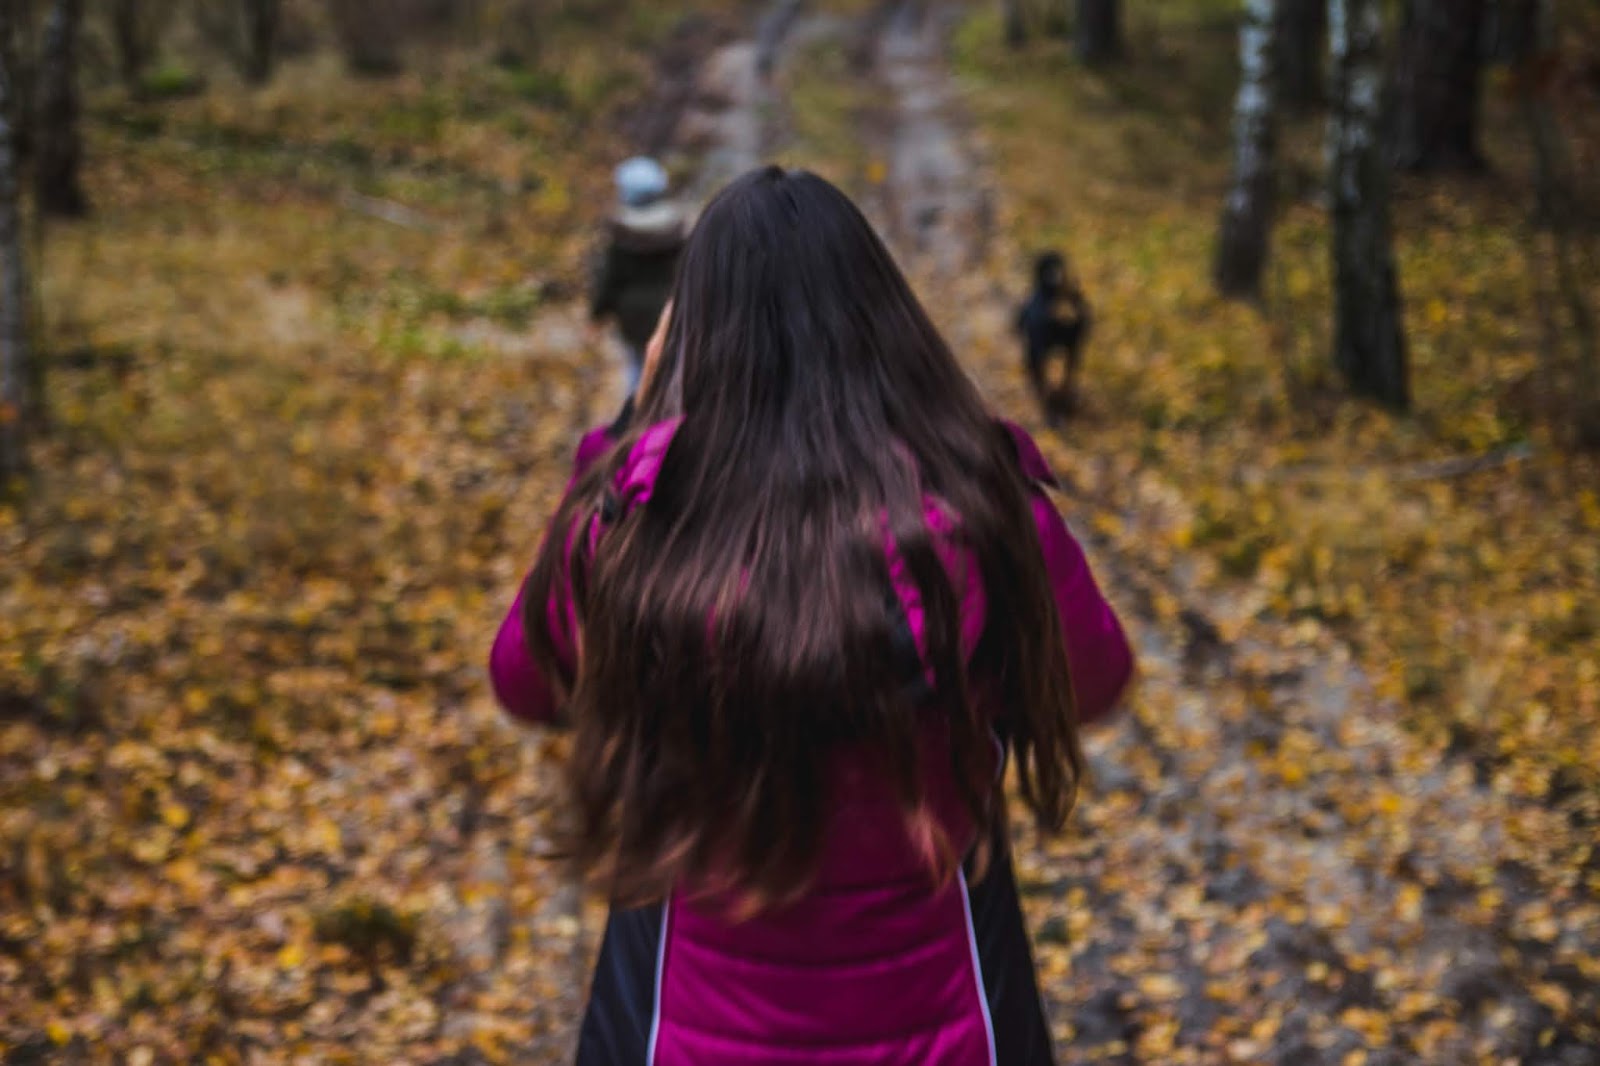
(1432, 470)
(1465, 464)
(387, 211)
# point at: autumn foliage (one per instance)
(315, 369)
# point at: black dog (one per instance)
(1047, 333)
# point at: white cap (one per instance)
(640, 181)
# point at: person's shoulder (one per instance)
(649, 230)
(591, 446)
(636, 477)
(1029, 457)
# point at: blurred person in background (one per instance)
(800, 612)
(633, 277)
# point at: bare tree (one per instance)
(1016, 28)
(128, 32)
(1511, 30)
(15, 27)
(1438, 76)
(1302, 25)
(14, 361)
(370, 32)
(137, 27)
(1247, 214)
(244, 30)
(1562, 214)
(261, 21)
(1098, 35)
(1369, 337)
(57, 146)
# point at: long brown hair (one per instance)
(740, 626)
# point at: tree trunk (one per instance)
(260, 40)
(1511, 30)
(14, 370)
(1099, 30)
(1368, 335)
(128, 33)
(1016, 29)
(16, 109)
(1559, 209)
(247, 30)
(370, 32)
(1437, 86)
(1301, 26)
(1247, 215)
(58, 149)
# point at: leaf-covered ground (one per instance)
(1219, 432)
(255, 802)
(300, 456)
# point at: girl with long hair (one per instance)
(800, 611)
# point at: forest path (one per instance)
(1265, 867)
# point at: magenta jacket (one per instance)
(875, 966)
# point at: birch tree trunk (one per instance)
(14, 370)
(1301, 26)
(1438, 80)
(1369, 338)
(58, 149)
(1246, 227)
(1098, 35)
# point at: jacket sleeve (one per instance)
(520, 686)
(1099, 656)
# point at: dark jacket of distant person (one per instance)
(634, 275)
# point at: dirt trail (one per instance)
(937, 211)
